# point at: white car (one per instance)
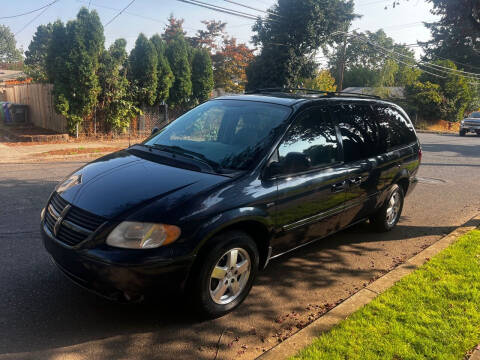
(470, 124)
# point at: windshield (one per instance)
(229, 133)
(475, 115)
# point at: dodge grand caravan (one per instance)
(208, 200)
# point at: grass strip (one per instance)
(432, 313)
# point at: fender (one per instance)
(231, 217)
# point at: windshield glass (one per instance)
(475, 115)
(230, 133)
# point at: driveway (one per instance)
(44, 316)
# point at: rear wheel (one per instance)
(387, 217)
(224, 274)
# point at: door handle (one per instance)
(339, 186)
(356, 180)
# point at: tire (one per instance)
(384, 220)
(206, 286)
(462, 133)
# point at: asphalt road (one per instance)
(44, 316)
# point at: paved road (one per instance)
(43, 315)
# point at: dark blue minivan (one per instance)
(208, 200)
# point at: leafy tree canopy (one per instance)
(177, 55)
(289, 37)
(174, 29)
(8, 46)
(323, 80)
(36, 55)
(202, 75)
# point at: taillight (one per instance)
(419, 154)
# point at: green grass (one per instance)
(434, 313)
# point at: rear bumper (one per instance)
(113, 280)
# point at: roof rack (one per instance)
(309, 91)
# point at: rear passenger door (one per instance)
(311, 180)
(362, 147)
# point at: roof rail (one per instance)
(309, 91)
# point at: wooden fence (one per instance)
(39, 99)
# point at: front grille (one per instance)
(472, 123)
(75, 224)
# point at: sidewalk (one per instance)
(46, 152)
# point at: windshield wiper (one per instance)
(188, 153)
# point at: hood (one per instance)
(120, 182)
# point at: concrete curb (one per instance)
(339, 313)
(436, 132)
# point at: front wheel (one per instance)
(224, 274)
(387, 217)
(462, 132)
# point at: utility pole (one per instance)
(343, 59)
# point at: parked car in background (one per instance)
(470, 124)
(207, 201)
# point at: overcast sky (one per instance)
(403, 23)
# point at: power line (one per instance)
(252, 8)
(35, 18)
(221, 9)
(119, 13)
(29, 12)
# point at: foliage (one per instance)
(202, 75)
(142, 71)
(454, 91)
(76, 88)
(177, 56)
(174, 29)
(367, 66)
(456, 35)
(289, 36)
(230, 63)
(164, 72)
(8, 46)
(36, 55)
(431, 314)
(114, 102)
(209, 38)
(323, 80)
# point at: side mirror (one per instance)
(155, 130)
(273, 169)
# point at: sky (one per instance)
(403, 23)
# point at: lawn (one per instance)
(434, 313)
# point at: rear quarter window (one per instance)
(395, 129)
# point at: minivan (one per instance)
(210, 199)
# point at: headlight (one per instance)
(138, 235)
(461, 122)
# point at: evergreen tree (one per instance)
(114, 104)
(177, 55)
(55, 61)
(142, 71)
(77, 88)
(289, 36)
(174, 29)
(36, 55)
(164, 72)
(202, 75)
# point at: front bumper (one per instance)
(470, 128)
(96, 272)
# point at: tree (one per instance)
(368, 66)
(36, 55)
(142, 71)
(323, 80)
(177, 56)
(174, 29)
(202, 75)
(230, 64)
(456, 35)
(8, 46)
(164, 72)
(114, 104)
(209, 38)
(55, 61)
(289, 36)
(425, 99)
(76, 90)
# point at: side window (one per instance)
(395, 129)
(360, 134)
(311, 142)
